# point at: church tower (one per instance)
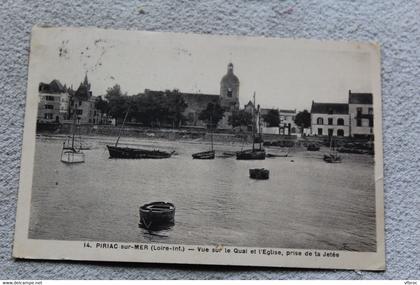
(229, 90)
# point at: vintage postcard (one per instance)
(201, 149)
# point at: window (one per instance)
(229, 92)
(79, 111)
(50, 107)
(319, 131)
(80, 103)
(330, 121)
(359, 122)
(49, 98)
(359, 111)
(340, 122)
(293, 130)
(330, 111)
(48, 116)
(320, 121)
(370, 111)
(330, 132)
(340, 132)
(371, 122)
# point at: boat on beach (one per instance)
(135, 153)
(206, 154)
(157, 216)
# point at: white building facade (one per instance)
(330, 119)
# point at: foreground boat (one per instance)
(157, 216)
(135, 153)
(259, 173)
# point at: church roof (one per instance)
(360, 98)
(329, 108)
(230, 77)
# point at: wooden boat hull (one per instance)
(269, 155)
(135, 153)
(250, 155)
(204, 155)
(259, 173)
(157, 216)
(330, 158)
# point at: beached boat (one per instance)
(135, 153)
(157, 216)
(206, 154)
(269, 155)
(254, 153)
(259, 173)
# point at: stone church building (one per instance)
(228, 100)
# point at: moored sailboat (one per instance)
(134, 153)
(69, 153)
(254, 153)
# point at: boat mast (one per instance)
(211, 131)
(259, 126)
(253, 124)
(74, 127)
(122, 126)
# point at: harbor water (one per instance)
(306, 203)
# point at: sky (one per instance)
(284, 74)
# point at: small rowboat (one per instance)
(204, 155)
(259, 173)
(157, 216)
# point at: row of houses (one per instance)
(351, 119)
(57, 103)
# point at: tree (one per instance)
(240, 118)
(212, 114)
(118, 102)
(303, 119)
(272, 118)
(176, 106)
(101, 105)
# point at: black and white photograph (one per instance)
(185, 148)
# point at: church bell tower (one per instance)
(229, 89)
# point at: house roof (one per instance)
(54, 87)
(287, 111)
(360, 98)
(329, 108)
